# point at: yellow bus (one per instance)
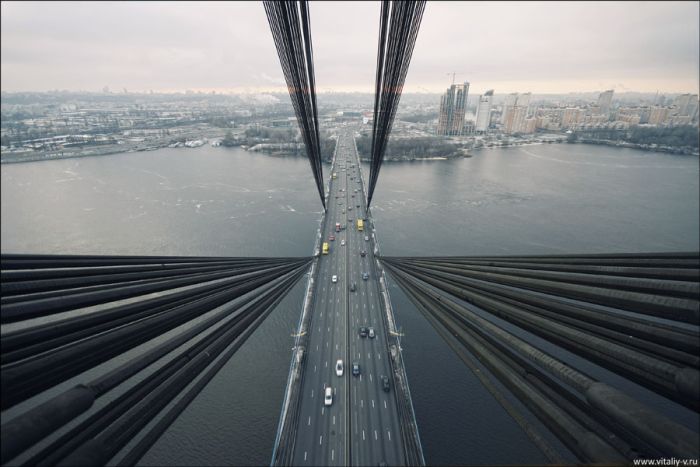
(325, 248)
(360, 226)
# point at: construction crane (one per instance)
(453, 75)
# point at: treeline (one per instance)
(674, 136)
(254, 136)
(419, 118)
(410, 148)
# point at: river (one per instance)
(540, 199)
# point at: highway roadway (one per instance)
(361, 427)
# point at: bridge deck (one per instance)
(362, 426)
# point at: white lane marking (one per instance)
(326, 363)
(336, 346)
(372, 403)
(305, 455)
(314, 368)
(316, 348)
(363, 435)
(369, 355)
(333, 419)
(389, 433)
(360, 377)
(362, 403)
(309, 421)
(375, 435)
(332, 454)
(370, 377)
(320, 439)
(312, 393)
(385, 405)
(323, 409)
(379, 356)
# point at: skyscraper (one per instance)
(509, 103)
(452, 108)
(483, 111)
(515, 119)
(604, 101)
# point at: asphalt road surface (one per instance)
(361, 427)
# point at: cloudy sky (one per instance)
(226, 46)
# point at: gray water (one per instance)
(219, 201)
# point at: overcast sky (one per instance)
(540, 47)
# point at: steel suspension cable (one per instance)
(399, 24)
(289, 23)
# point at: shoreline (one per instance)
(29, 157)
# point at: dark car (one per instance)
(365, 276)
(363, 331)
(353, 287)
(355, 368)
(385, 383)
(363, 253)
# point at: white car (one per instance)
(328, 399)
(371, 333)
(334, 279)
(366, 238)
(339, 368)
(342, 243)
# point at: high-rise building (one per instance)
(658, 115)
(685, 104)
(604, 101)
(483, 111)
(514, 120)
(452, 108)
(509, 103)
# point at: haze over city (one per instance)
(540, 47)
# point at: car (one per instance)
(371, 333)
(352, 196)
(358, 205)
(342, 243)
(363, 331)
(385, 383)
(349, 208)
(353, 287)
(339, 368)
(328, 399)
(331, 238)
(366, 236)
(334, 279)
(363, 253)
(365, 276)
(355, 369)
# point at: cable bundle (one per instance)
(289, 23)
(636, 315)
(63, 315)
(398, 29)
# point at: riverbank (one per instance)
(684, 150)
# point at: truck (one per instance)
(337, 226)
(360, 225)
(325, 248)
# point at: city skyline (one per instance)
(621, 46)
